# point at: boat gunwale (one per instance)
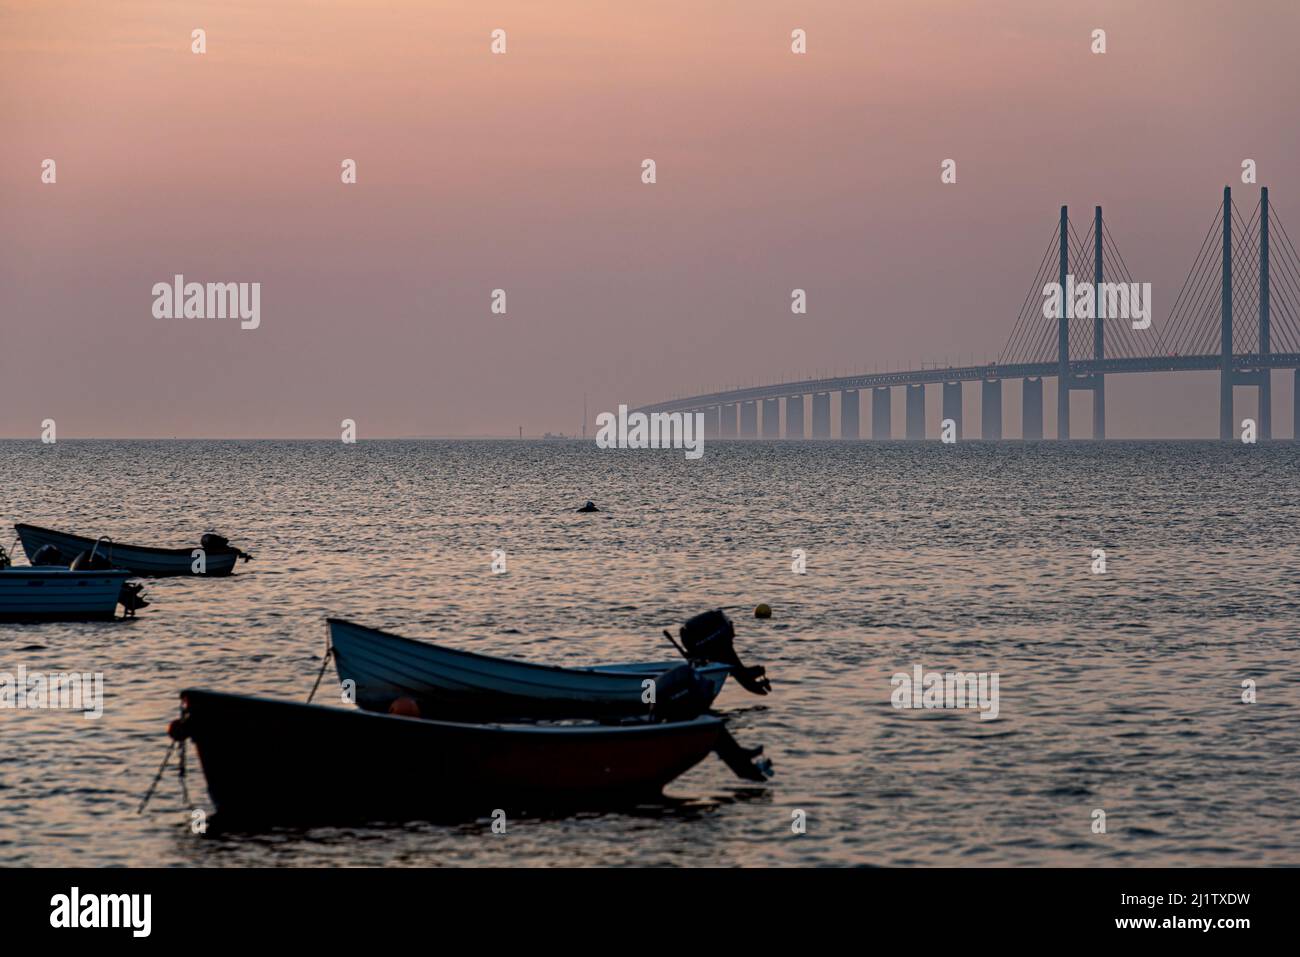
(589, 728)
(60, 572)
(712, 667)
(182, 552)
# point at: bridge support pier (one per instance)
(849, 414)
(771, 418)
(1097, 385)
(1266, 405)
(952, 404)
(916, 412)
(991, 410)
(728, 415)
(881, 415)
(821, 415)
(794, 417)
(1031, 404)
(710, 421)
(1225, 406)
(748, 420)
(1258, 378)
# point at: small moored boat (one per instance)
(58, 594)
(448, 683)
(214, 556)
(269, 761)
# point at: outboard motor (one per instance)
(214, 544)
(50, 554)
(709, 637)
(680, 694)
(132, 598)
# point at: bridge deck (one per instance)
(1035, 370)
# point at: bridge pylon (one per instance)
(1098, 335)
(1065, 381)
(1226, 374)
(1236, 262)
(1266, 382)
(1063, 337)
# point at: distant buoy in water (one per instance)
(763, 611)
(589, 507)
(406, 707)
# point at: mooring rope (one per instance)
(158, 777)
(179, 734)
(324, 663)
(185, 791)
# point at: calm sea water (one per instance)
(1120, 692)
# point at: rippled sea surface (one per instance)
(1119, 692)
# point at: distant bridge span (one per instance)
(990, 372)
(1266, 277)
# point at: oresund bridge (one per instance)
(1247, 270)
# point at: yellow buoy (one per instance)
(762, 611)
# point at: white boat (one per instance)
(463, 685)
(57, 594)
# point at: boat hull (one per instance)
(56, 594)
(138, 559)
(449, 683)
(269, 761)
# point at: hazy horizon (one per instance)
(522, 171)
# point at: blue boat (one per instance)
(219, 557)
(57, 594)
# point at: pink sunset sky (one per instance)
(523, 172)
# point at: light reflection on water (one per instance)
(1119, 692)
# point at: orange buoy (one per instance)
(406, 707)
